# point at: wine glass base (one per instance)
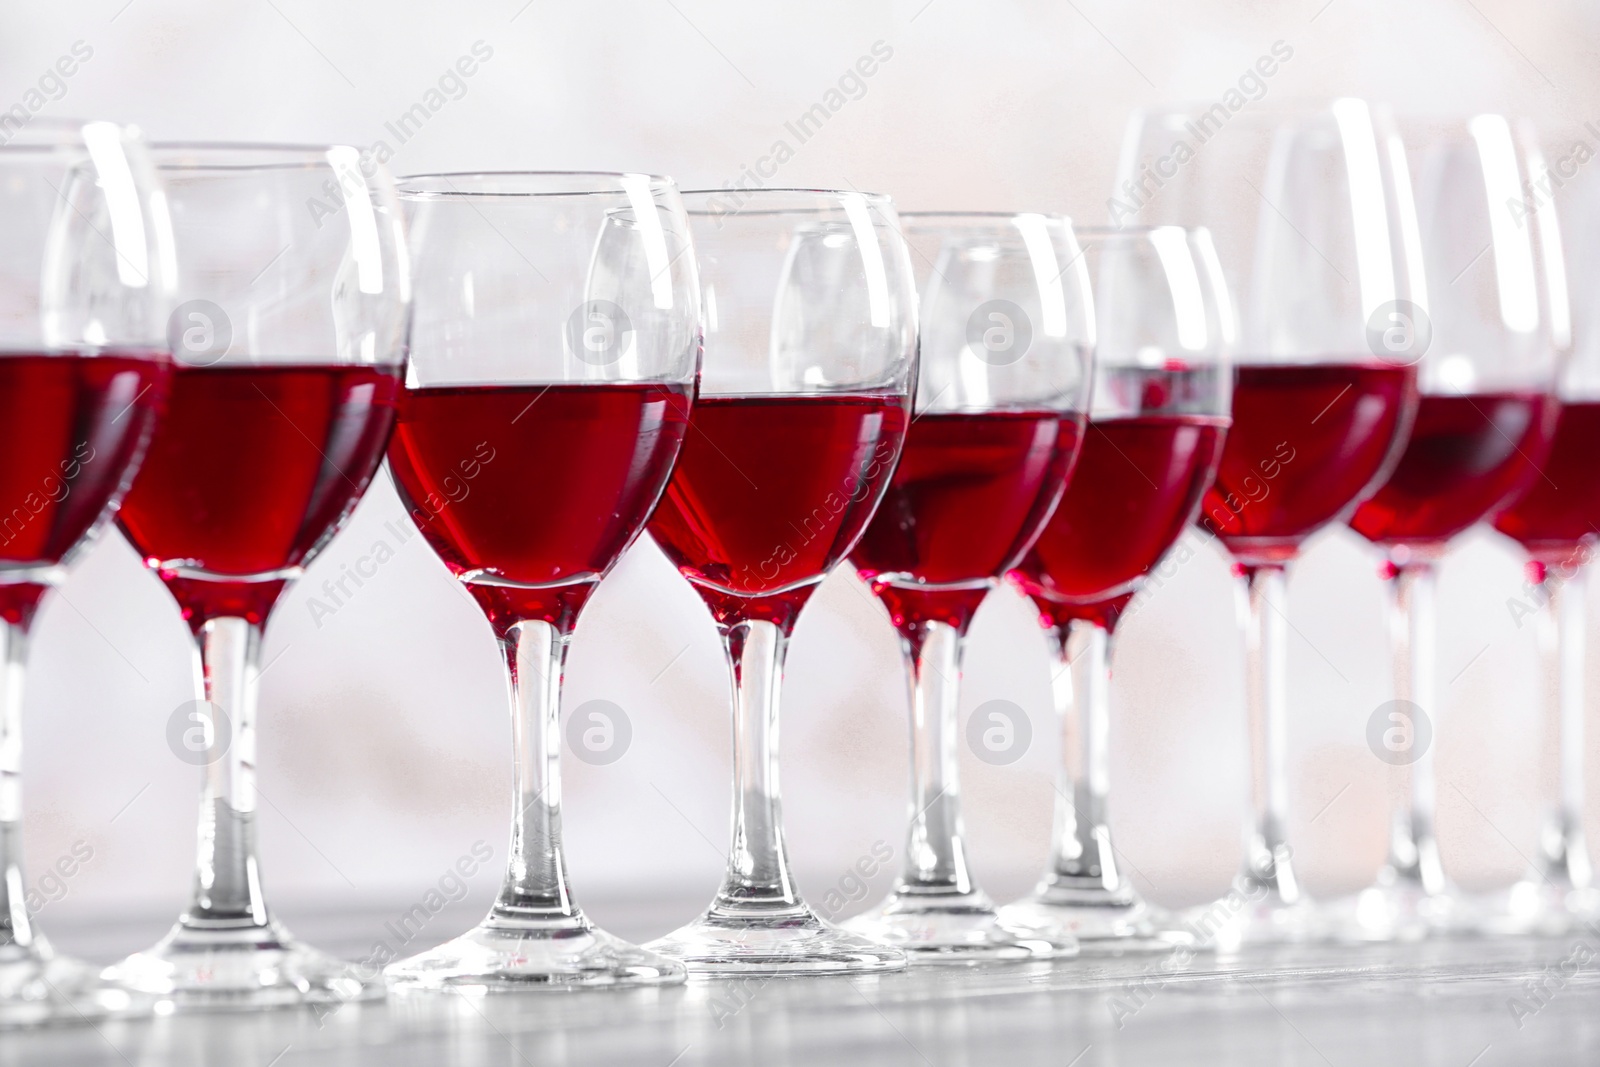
(1541, 909)
(789, 941)
(1400, 911)
(199, 968)
(1246, 918)
(39, 988)
(1102, 923)
(502, 955)
(956, 928)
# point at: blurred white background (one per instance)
(385, 750)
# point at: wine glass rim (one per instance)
(47, 133)
(241, 155)
(736, 200)
(601, 183)
(1102, 231)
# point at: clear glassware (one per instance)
(85, 288)
(1315, 228)
(1554, 521)
(1486, 414)
(1159, 418)
(553, 362)
(810, 362)
(289, 346)
(1007, 341)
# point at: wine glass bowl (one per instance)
(804, 396)
(288, 343)
(554, 358)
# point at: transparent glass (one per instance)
(288, 342)
(553, 361)
(1554, 520)
(85, 287)
(1007, 337)
(1316, 231)
(1158, 421)
(810, 362)
(1487, 411)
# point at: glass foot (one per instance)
(195, 967)
(503, 955)
(956, 928)
(1103, 923)
(1541, 908)
(39, 988)
(1251, 917)
(1400, 911)
(787, 940)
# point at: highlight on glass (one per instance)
(1315, 228)
(288, 342)
(1497, 334)
(1162, 385)
(805, 393)
(553, 364)
(85, 288)
(1007, 338)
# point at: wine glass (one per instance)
(553, 361)
(85, 287)
(1555, 521)
(1007, 337)
(289, 344)
(1498, 324)
(811, 342)
(1316, 232)
(1156, 431)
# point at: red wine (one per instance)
(529, 493)
(1137, 485)
(969, 496)
(73, 428)
(1558, 513)
(1308, 442)
(253, 469)
(1465, 455)
(772, 491)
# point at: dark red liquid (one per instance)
(1138, 483)
(530, 493)
(969, 496)
(72, 431)
(251, 471)
(1558, 513)
(772, 491)
(1464, 456)
(1308, 442)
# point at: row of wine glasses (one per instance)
(771, 383)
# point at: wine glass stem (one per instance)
(1082, 857)
(1268, 857)
(536, 877)
(936, 860)
(1564, 855)
(15, 926)
(1413, 849)
(227, 891)
(758, 862)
